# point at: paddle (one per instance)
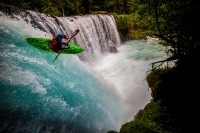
(67, 42)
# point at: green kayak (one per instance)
(43, 44)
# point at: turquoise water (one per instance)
(38, 95)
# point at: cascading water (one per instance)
(97, 32)
(69, 95)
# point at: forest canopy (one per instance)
(71, 7)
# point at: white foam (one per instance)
(21, 26)
(16, 76)
(127, 74)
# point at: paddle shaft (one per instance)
(67, 42)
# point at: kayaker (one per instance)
(56, 43)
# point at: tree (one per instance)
(50, 7)
(176, 25)
(125, 6)
(87, 5)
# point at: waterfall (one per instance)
(98, 33)
(71, 95)
(40, 96)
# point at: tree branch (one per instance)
(166, 60)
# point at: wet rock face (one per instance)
(112, 49)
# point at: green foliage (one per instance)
(154, 118)
(124, 24)
(156, 80)
(133, 26)
(71, 7)
(138, 126)
(171, 87)
(51, 8)
(9, 8)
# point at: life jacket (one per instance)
(54, 43)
